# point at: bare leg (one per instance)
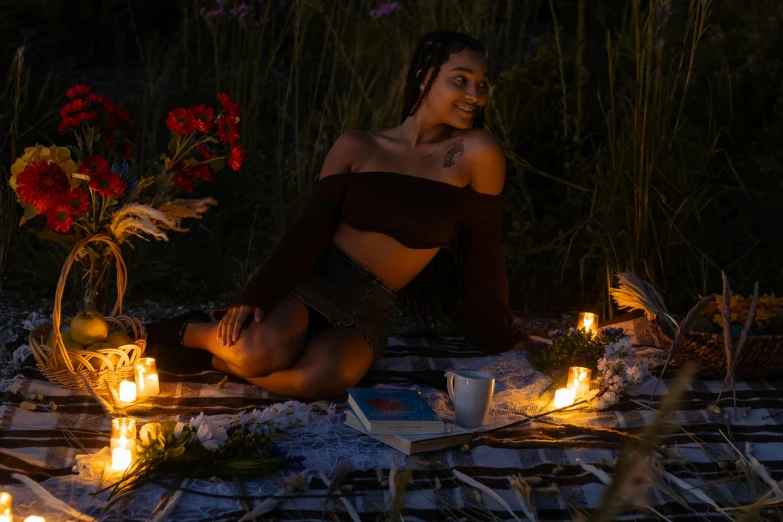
(271, 345)
(332, 361)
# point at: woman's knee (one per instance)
(262, 349)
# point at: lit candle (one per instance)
(123, 442)
(6, 514)
(34, 518)
(127, 391)
(147, 377)
(579, 380)
(564, 397)
(588, 321)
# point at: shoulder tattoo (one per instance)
(456, 148)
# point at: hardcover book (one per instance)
(389, 411)
(418, 443)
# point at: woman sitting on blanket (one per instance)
(314, 317)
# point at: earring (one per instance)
(421, 87)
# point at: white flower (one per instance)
(178, 429)
(195, 422)
(212, 436)
(149, 433)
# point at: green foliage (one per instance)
(637, 139)
(574, 348)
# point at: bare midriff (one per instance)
(394, 263)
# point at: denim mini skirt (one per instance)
(346, 293)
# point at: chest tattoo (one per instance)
(456, 148)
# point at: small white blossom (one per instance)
(211, 435)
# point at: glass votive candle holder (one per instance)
(564, 397)
(588, 321)
(127, 391)
(147, 377)
(123, 442)
(579, 380)
(6, 512)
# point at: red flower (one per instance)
(59, 217)
(231, 108)
(180, 121)
(78, 91)
(107, 183)
(66, 124)
(73, 107)
(78, 201)
(42, 184)
(227, 130)
(203, 117)
(93, 164)
(184, 180)
(236, 157)
(203, 151)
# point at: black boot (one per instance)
(164, 343)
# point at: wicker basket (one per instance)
(106, 365)
(762, 355)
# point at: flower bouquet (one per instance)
(97, 200)
(232, 448)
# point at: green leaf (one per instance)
(66, 240)
(175, 452)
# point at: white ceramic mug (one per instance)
(471, 393)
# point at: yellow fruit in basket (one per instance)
(89, 327)
(99, 346)
(73, 346)
(66, 337)
(117, 339)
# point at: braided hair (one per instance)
(433, 51)
(438, 291)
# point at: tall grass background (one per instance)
(640, 135)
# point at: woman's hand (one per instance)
(231, 323)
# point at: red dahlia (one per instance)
(59, 217)
(228, 132)
(236, 157)
(203, 117)
(78, 91)
(42, 184)
(107, 183)
(180, 121)
(231, 108)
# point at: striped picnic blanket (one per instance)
(35, 443)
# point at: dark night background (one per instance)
(668, 162)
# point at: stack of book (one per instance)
(401, 419)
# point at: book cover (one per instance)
(385, 411)
(415, 443)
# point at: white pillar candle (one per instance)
(147, 377)
(579, 380)
(34, 518)
(564, 397)
(127, 391)
(588, 321)
(6, 513)
(123, 442)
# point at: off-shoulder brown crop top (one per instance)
(417, 212)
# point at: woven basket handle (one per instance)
(122, 279)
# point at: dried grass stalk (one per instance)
(478, 485)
